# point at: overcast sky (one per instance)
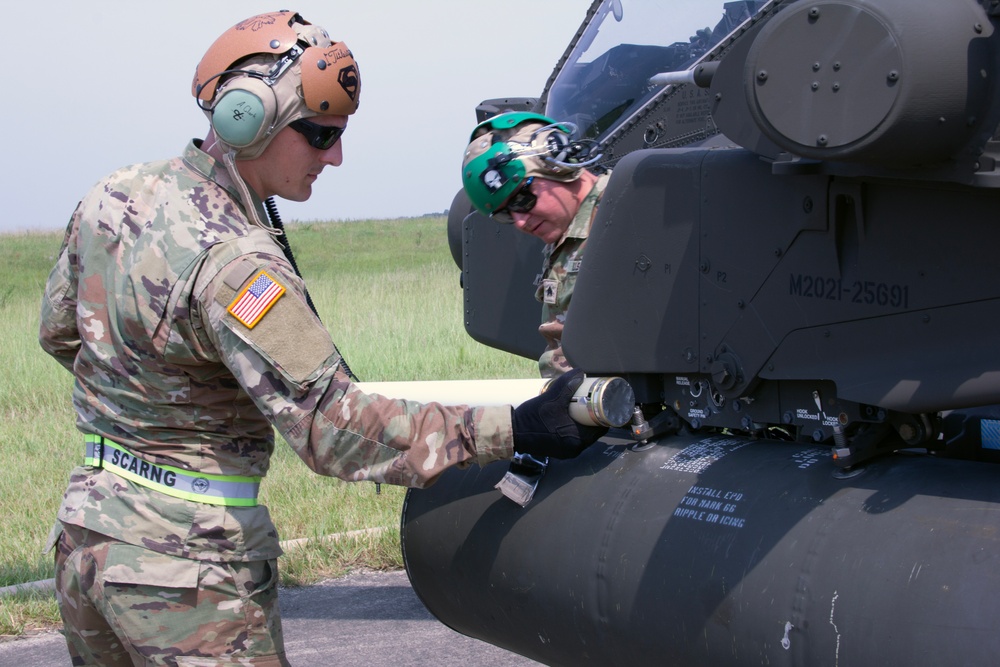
(93, 86)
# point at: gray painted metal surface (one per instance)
(718, 551)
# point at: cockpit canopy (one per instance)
(606, 77)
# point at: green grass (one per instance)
(388, 292)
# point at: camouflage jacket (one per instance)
(560, 265)
(144, 307)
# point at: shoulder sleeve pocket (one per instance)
(274, 319)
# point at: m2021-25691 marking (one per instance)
(867, 292)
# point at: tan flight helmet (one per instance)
(269, 70)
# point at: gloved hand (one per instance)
(543, 427)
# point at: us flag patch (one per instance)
(254, 301)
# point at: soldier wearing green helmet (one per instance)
(526, 169)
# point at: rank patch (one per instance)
(550, 290)
(253, 302)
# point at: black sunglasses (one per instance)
(319, 136)
(523, 200)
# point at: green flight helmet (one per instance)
(507, 149)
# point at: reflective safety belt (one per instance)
(200, 487)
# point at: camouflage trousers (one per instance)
(125, 605)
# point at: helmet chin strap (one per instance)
(229, 159)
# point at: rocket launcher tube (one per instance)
(599, 401)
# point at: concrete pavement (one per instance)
(368, 618)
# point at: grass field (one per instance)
(387, 290)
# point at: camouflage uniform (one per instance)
(143, 307)
(560, 265)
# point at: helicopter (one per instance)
(791, 266)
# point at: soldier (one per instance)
(525, 169)
(190, 337)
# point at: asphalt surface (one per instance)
(370, 618)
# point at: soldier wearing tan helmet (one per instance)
(526, 169)
(191, 338)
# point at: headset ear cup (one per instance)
(244, 112)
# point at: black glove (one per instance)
(543, 427)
